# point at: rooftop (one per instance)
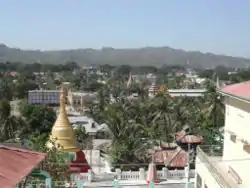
(211, 157)
(16, 164)
(187, 90)
(240, 90)
(43, 90)
(182, 137)
(171, 158)
(89, 124)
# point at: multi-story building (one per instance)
(78, 99)
(50, 97)
(229, 167)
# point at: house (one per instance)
(228, 166)
(91, 127)
(78, 99)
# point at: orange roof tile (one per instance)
(15, 164)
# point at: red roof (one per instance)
(183, 138)
(191, 139)
(171, 158)
(241, 90)
(15, 164)
(12, 73)
(80, 164)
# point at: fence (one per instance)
(163, 174)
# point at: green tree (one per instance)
(9, 124)
(39, 119)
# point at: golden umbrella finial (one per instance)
(162, 89)
(62, 132)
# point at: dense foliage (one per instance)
(138, 125)
(133, 125)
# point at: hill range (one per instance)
(156, 56)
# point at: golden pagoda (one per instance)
(62, 132)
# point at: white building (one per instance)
(78, 99)
(91, 127)
(186, 92)
(44, 97)
(231, 168)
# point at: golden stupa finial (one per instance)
(162, 89)
(62, 100)
(62, 131)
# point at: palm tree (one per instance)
(214, 107)
(9, 124)
(166, 117)
(125, 127)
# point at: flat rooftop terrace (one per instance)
(211, 157)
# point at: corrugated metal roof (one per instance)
(187, 90)
(15, 164)
(241, 90)
(183, 138)
(180, 159)
(171, 158)
(86, 122)
(191, 139)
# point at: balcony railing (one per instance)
(219, 177)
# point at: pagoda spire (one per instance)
(62, 132)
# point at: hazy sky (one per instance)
(219, 26)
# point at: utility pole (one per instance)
(187, 169)
(87, 78)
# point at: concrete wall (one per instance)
(236, 137)
(205, 175)
(237, 122)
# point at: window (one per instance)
(198, 181)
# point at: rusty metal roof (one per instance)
(183, 138)
(171, 158)
(15, 164)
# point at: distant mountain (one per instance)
(157, 56)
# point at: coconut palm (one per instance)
(126, 128)
(9, 124)
(214, 107)
(166, 117)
